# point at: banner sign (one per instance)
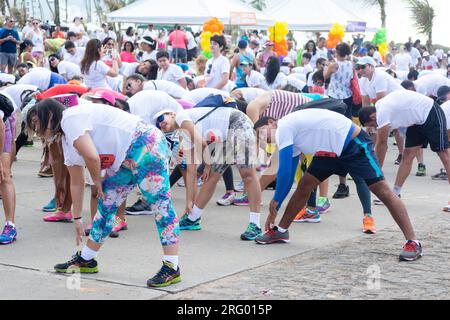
(356, 26)
(243, 18)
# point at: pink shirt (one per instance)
(178, 39)
(126, 56)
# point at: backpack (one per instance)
(215, 101)
(335, 105)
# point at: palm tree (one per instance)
(382, 6)
(57, 13)
(423, 14)
(257, 4)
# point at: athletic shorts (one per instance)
(433, 132)
(358, 159)
(10, 131)
(8, 59)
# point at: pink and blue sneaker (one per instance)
(8, 235)
(241, 201)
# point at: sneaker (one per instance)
(323, 205)
(239, 187)
(227, 199)
(29, 143)
(119, 225)
(308, 217)
(342, 192)
(411, 251)
(273, 236)
(50, 207)
(9, 234)
(166, 276)
(139, 208)
(440, 176)
(272, 186)
(447, 208)
(59, 217)
(46, 172)
(422, 170)
(87, 230)
(114, 234)
(181, 184)
(241, 201)
(199, 182)
(369, 225)
(251, 233)
(378, 202)
(188, 224)
(399, 160)
(300, 215)
(77, 264)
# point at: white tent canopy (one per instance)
(304, 15)
(187, 12)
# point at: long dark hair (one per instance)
(26, 43)
(90, 55)
(128, 31)
(153, 73)
(125, 46)
(272, 70)
(46, 110)
(314, 47)
(53, 69)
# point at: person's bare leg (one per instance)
(93, 202)
(299, 199)
(67, 202)
(406, 165)
(266, 180)
(420, 156)
(7, 189)
(206, 192)
(400, 141)
(252, 188)
(396, 208)
(323, 188)
(121, 211)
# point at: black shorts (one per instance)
(358, 159)
(433, 131)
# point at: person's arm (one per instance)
(233, 64)
(381, 95)
(183, 83)
(285, 174)
(381, 146)
(114, 70)
(328, 71)
(365, 101)
(258, 106)
(223, 81)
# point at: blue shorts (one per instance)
(56, 79)
(357, 159)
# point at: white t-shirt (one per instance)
(173, 74)
(7, 78)
(320, 53)
(76, 58)
(415, 56)
(256, 80)
(27, 29)
(313, 130)
(174, 90)
(69, 69)
(279, 83)
(39, 77)
(303, 70)
(403, 109)
(296, 82)
(381, 82)
(446, 108)
(431, 64)
(149, 56)
(378, 58)
(215, 68)
(191, 41)
(430, 84)
(403, 62)
(250, 94)
(96, 77)
(76, 28)
(147, 103)
(150, 33)
(128, 69)
(15, 91)
(103, 35)
(198, 95)
(127, 38)
(112, 131)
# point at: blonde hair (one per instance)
(200, 62)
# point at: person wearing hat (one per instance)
(253, 78)
(239, 58)
(429, 62)
(148, 47)
(267, 53)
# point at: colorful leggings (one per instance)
(145, 166)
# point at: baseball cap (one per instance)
(148, 40)
(246, 63)
(443, 92)
(426, 54)
(287, 60)
(362, 51)
(105, 95)
(242, 44)
(269, 43)
(366, 60)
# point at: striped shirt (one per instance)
(283, 102)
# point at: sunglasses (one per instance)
(35, 23)
(359, 67)
(209, 69)
(128, 87)
(159, 120)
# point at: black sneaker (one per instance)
(399, 160)
(440, 176)
(138, 209)
(272, 186)
(342, 192)
(77, 264)
(166, 276)
(421, 170)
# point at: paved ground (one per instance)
(331, 260)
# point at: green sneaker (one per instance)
(166, 276)
(188, 224)
(251, 233)
(422, 170)
(77, 265)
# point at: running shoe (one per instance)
(421, 170)
(251, 233)
(399, 160)
(119, 225)
(411, 251)
(59, 217)
(87, 231)
(181, 184)
(239, 187)
(440, 176)
(188, 224)
(29, 143)
(308, 217)
(378, 202)
(199, 182)
(273, 236)
(50, 207)
(9, 234)
(77, 265)
(447, 208)
(227, 199)
(369, 225)
(46, 172)
(342, 192)
(241, 201)
(166, 276)
(139, 208)
(323, 205)
(272, 186)
(261, 168)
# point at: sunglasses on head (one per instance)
(360, 67)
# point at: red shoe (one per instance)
(59, 217)
(119, 225)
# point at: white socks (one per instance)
(9, 223)
(255, 218)
(88, 254)
(397, 190)
(195, 214)
(281, 229)
(173, 260)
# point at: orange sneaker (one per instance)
(369, 225)
(299, 216)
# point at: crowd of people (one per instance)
(149, 112)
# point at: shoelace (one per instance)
(410, 246)
(8, 229)
(164, 272)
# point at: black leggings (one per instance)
(227, 176)
(22, 138)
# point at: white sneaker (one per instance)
(199, 182)
(226, 200)
(447, 208)
(240, 187)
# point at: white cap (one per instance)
(426, 54)
(366, 60)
